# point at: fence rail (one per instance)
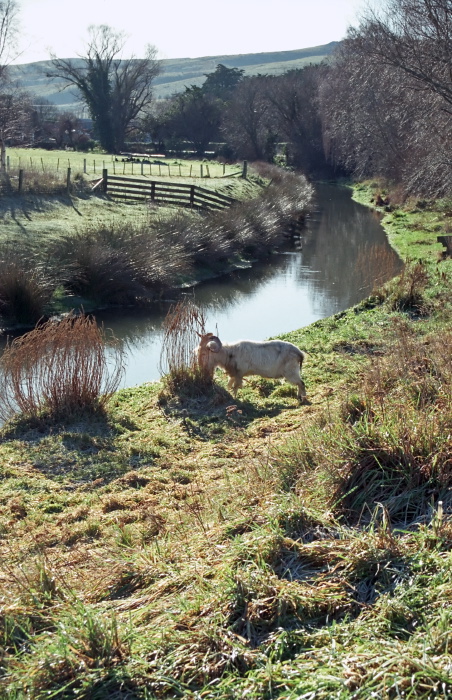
(192, 196)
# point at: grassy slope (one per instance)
(194, 548)
(178, 72)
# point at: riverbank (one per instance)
(250, 548)
(118, 254)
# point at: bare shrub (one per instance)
(61, 367)
(180, 337)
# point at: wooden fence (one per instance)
(163, 192)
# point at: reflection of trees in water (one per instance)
(347, 246)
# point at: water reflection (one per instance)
(344, 252)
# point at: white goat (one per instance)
(271, 358)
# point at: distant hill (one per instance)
(177, 73)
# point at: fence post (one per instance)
(21, 181)
(192, 196)
(224, 168)
(207, 169)
(245, 168)
(142, 168)
(7, 163)
(84, 165)
(202, 171)
(68, 181)
(105, 180)
(152, 191)
(191, 166)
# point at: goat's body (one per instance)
(273, 359)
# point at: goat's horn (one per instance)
(214, 344)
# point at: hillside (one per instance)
(176, 72)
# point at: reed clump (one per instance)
(178, 362)
(60, 368)
(118, 263)
(25, 287)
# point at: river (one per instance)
(342, 254)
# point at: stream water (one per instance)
(342, 254)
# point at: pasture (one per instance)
(191, 545)
(92, 164)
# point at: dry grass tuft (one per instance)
(58, 367)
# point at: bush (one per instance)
(60, 367)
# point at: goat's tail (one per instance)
(303, 356)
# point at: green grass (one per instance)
(205, 547)
(41, 160)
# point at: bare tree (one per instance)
(116, 90)
(379, 121)
(414, 36)
(14, 119)
(247, 122)
(9, 10)
(293, 97)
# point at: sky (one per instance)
(183, 28)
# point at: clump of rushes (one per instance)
(25, 287)
(59, 367)
(119, 263)
(406, 292)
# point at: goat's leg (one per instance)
(234, 384)
(294, 378)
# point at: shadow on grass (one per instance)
(209, 415)
(80, 448)
(28, 204)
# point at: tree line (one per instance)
(381, 107)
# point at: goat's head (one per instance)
(208, 346)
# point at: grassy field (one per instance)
(195, 546)
(41, 160)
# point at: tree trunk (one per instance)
(2, 155)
